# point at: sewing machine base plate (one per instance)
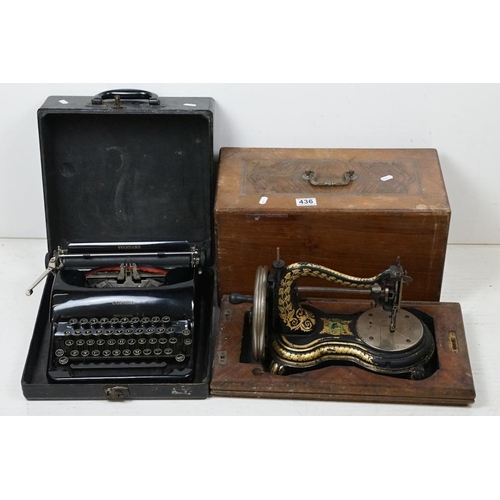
(452, 383)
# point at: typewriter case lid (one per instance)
(128, 169)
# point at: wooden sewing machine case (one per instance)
(396, 206)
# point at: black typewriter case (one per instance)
(127, 172)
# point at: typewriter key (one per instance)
(160, 330)
(118, 331)
(83, 321)
(147, 352)
(90, 342)
(87, 332)
(69, 343)
(153, 341)
(116, 352)
(155, 319)
(135, 320)
(72, 321)
(75, 353)
(99, 332)
(122, 342)
(139, 331)
(59, 353)
(77, 332)
(180, 358)
(94, 321)
(124, 321)
(106, 353)
(165, 319)
(186, 332)
(142, 341)
(109, 331)
(63, 361)
(67, 332)
(101, 342)
(157, 352)
(113, 321)
(85, 353)
(137, 352)
(104, 321)
(145, 320)
(129, 331)
(163, 340)
(173, 340)
(131, 341)
(150, 331)
(96, 353)
(168, 351)
(80, 342)
(126, 352)
(171, 330)
(188, 341)
(111, 342)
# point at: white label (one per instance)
(63, 101)
(190, 104)
(263, 200)
(386, 178)
(305, 202)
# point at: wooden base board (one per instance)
(452, 384)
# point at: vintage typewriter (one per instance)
(289, 335)
(128, 188)
(131, 320)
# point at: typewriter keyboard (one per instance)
(79, 342)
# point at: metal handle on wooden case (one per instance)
(128, 94)
(347, 177)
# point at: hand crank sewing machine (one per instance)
(289, 335)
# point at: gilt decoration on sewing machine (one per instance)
(289, 335)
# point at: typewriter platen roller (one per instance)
(114, 320)
(289, 335)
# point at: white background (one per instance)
(460, 121)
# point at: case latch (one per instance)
(117, 393)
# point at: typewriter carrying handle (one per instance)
(127, 94)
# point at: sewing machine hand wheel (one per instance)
(259, 314)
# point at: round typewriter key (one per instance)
(116, 352)
(83, 321)
(118, 331)
(171, 330)
(131, 341)
(137, 352)
(87, 332)
(142, 341)
(99, 332)
(85, 353)
(72, 321)
(106, 353)
(63, 361)
(139, 331)
(109, 331)
(153, 341)
(129, 331)
(101, 342)
(90, 342)
(67, 332)
(186, 332)
(173, 340)
(80, 342)
(94, 321)
(165, 319)
(150, 331)
(145, 320)
(157, 352)
(69, 343)
(104, 321)
(113, 321)
(188, 341)
(111, 342)
(134, 320)
(155, 319)
(180, 358)
(160, 330)
(74, 353)
(121, 342)
(59, 353)
(96, 353)
(124, 321)
(163, 340)
(127, 352)
(168, 351)
(77, 332)
(147, 352)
